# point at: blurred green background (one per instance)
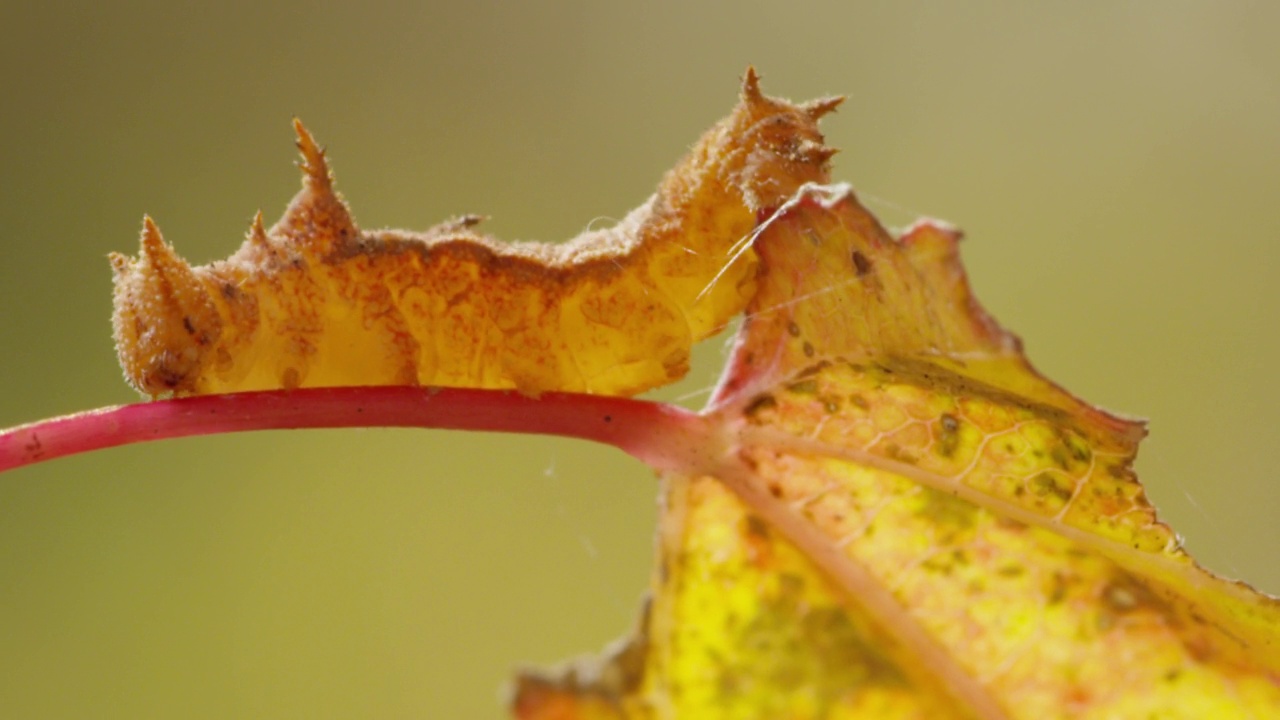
(1115, 167)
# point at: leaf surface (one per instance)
(909, 521)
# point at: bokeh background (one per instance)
(1115, 167)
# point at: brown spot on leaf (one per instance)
(903, 455)
(803, 387)
(949, 438)
(861, 264)
(760, 404)
(1057, 590)
(1044, 484)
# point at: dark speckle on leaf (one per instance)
(759, 404)
(949, 437)
(860, 263)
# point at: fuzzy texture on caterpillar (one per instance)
(315, 301)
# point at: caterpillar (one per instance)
(315, 301)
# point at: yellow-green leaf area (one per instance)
(744, 625)
(892, 416)
(907, 520)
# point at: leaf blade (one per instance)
(895, 393)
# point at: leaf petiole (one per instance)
(663, 436)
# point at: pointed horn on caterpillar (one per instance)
(315, 168)
(317, 221)
(750, 93)
(165, 321)
(817, 109)
(257, 235)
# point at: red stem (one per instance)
(663, 436)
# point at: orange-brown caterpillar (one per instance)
(314, 301)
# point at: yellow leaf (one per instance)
(909, 521)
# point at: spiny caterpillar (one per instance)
(315, 301)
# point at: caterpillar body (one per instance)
(315, 301)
